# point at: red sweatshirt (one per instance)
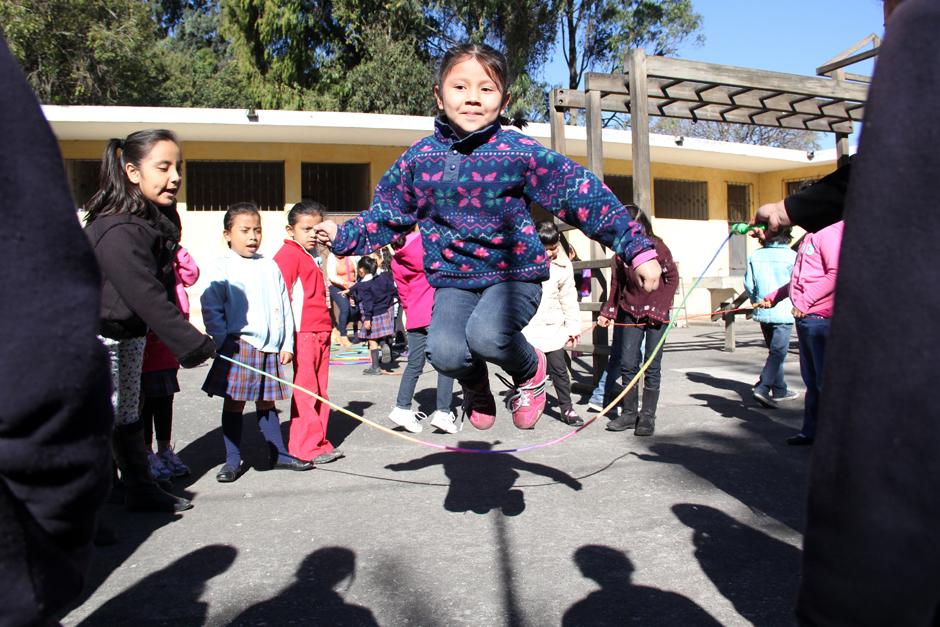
(304, 280)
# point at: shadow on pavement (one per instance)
(758, 574)
(470, 492)
(313, 598)
(621, 602)
(342, 425)
(169, 596)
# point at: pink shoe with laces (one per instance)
(526, 401)
(479, 406)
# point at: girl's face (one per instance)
(245, 235)
(304, 231)
(159, 173)
(469, 98)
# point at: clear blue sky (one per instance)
(794, 36)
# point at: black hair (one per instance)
(548, 232)
(116, 193)
(368, 264)
(638, 215)
(305, 208)
(782, 236)
(238, 209)
(496, 67)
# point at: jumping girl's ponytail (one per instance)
(518, 120)
(116, 193)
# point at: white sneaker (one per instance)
(407, 419)
(446, 421)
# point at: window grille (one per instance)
(343, 188)
(795, 186)
(214, 185)
(683, 200)
(621, 186)
(739, 202)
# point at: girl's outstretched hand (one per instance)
(326, 232)
(648, 274)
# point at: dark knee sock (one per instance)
(270, 428)
(232, 436)
(376, 357)
(163, 418)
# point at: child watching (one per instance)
(812, 290)
(769, 267)
(297, 260)
(557, 322)
(375, 294)
(247, 312)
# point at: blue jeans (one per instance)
(812, 332)
(634, 352)
(777, 337)
(342, 302)
(472, 327)
(417, 345)
(603, 393)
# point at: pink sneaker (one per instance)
(527, 400)
(479, 406)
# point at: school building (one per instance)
(276, 158)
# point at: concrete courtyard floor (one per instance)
(700, 524)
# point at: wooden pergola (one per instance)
(676, 88)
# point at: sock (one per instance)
(270, 428)
(232, 436)
(376, 358)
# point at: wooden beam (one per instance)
(640, 130)
(822, 70)
(557, 120)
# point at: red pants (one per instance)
(308, 416)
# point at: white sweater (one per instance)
(247, 297)
(558, 316)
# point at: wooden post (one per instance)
(842, 149)
(640, 130)
(557, 120)
(592, 122)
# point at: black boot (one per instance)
(142, 494)
(627, 418)
(647, 421)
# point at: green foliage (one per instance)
(81, 52)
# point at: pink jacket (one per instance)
(157, 356)
(414, 291)
(812, 287)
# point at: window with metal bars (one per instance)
(621, 186)
(340, 187)
(739, 202)
(83, 176)
(795, 186)
(214, 185)
(678, 199)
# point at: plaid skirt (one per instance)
(229, 381)
(159, 383)
(383, 325)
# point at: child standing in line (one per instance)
(812, 290)
(768, 268)
(158, 381)
(135, 244)
(469, 187)
(645, 316)
(247, 312)
(309, 417)
(375, 293)
(557, 322)
(417, 299)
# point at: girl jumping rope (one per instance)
(247, 312)
(468, 187)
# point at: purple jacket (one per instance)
(471, 198)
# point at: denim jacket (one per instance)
(768, 269)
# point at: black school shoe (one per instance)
(326, 458)
(226, 474)
(372, 371)
(799, 440)
(293, 464)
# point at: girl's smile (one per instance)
(469, 97)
